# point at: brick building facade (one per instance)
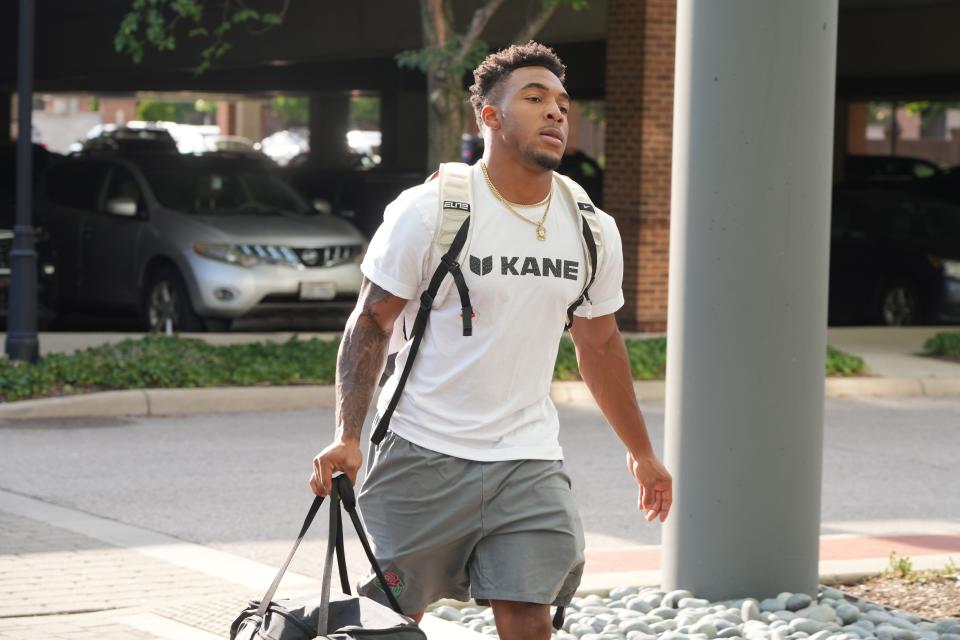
(639, 107)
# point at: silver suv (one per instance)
(193, 242)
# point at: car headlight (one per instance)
(248, 255)
(952, 268)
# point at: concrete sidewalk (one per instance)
(894, 357)
(65, 574)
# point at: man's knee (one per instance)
(522, 620)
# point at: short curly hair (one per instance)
(497, 66)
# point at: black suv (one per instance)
(46, 258)
(894, 258)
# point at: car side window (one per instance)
(75, 184)
(122, 184)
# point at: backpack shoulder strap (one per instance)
(456, 202)
(454, 208)
(592, 239)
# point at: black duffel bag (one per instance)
(336, 616)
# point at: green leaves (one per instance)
(444, 59)
(840, 363)
(944, 344)
(175, 362)
(170, 362)
(648, 360)
(155, 23)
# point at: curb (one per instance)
(167, 402)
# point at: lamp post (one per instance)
(22, 341)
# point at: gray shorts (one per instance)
(445, 527)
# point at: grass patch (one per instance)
(170, 362)
(175, 362)
(648, 360)
(945, 344)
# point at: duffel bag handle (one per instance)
(311, 514)
(350, 505)
(341, 490)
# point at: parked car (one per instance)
(194, 242)
(886, 170)
(359, 196)
(285, 145)
(234, 145)
(46, 259)
(894, 258)
(126, 139)
(945, 184)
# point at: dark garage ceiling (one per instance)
(887, 48)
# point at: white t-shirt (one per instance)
(487, 396)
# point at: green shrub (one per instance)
(840, 363)
(170, 362)
(648, 360)
(944, 344)
(175, 362)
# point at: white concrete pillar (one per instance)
(749, 245)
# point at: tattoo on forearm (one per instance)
(360, 360)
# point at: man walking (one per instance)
(466, 496)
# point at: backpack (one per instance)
(451, 242)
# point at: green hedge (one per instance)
(175, 362)
(944, 344)
(166, 362)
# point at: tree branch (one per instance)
(477, 24)
(533, 27)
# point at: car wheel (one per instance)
(899, 304)
(167, 302)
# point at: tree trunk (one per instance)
(444, 118)
(445, 93)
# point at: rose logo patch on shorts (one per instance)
(393, 581)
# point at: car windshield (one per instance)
(203, 190)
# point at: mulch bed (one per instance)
(925, 594)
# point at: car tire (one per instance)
(898, 304)
(165, 297)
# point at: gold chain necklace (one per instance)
(541, 230)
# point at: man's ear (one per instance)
(490, 116)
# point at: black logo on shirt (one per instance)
(516, 266)
(586, 206)
(481, 267)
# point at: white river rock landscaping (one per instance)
(631, 613)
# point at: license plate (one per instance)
(317, 291)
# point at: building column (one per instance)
(248, 119)
(753, 148)
(329, 123)
(857, 119)
(636, 186)
(6, 115)
(227, 118)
